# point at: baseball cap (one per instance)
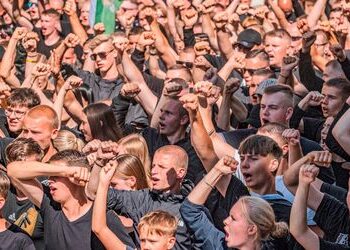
(248, 38)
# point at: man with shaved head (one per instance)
(41, 124)
(169, 190)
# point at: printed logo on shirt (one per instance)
(343, 239)
(12, 217)
(180, 223)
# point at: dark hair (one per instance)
(268, 73)
(136, 30)
(258, 53)
(71, 158)
(260, 145)
(181, 67)
(23, 97)
(103, 124)
(279, 88)
(21, 148)
(340, 83)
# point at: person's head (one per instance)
(84, 14)
(67, 140)
(321, 42)
(277, 45)
(17, 105)
(276, 104)
(57, 5)
(286, 6)
(333, 69)
(41, 124)
(69, 56)
(103, 52)
(129, 174)
(179, 71)
(169, 168)
(157, 230)
(335, 92)
(50, 21)
(173, 118)
(99, 123)
(334, 17)
(258, 76)
(136, 145)
(4, 189)
(274, 131)
(296, 37)
(133, 36)
(251, 220)
(23, 149)
(254, 60)
(260, 157)
(187, 57)
(62, 188)
(33, 11)
(248, 40)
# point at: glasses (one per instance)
(18, 114)
(188, 65)
(251, 71)
(101, 55)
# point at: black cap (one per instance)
(248, 38)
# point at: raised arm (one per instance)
(99, 221)
(315, 13)
(341, 131)
(70, 9)
(298, 225)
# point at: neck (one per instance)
(268, 187)
(251, 245)
(111, 73)
(77, 205)
(50, 152)
(52, 38)
(179, 135)
(3, 223)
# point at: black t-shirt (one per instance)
(326, 245)
(60, 233)
(27, 217)
(14, 239)
(156, 140)
(42, 47)
(332, 216)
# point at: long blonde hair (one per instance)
(260, 213)
(67, 140)
(136, 145)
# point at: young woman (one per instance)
(68, 140)
(136, 145)
(99, 123)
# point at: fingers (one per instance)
(320, 158)
(130, 90)
(291, 136)
(308, 173)
(189, 102)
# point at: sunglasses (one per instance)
(101, 55)
(188, 65)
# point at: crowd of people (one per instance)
(197, 124)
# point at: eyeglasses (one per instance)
(101, 55)
(18, 114)
(188, 65)
(251, 71)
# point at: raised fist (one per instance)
(189, 102)
(70, 7)
(308, 39)
(231, 86)
(99, 28)
(320, 158)
(338, 52)
(71, 40)
(130, 90)
(19, 33)
(73, 82)
(292, 136)
(227, 165)
(308, 174)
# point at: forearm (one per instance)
(78, 29)
(341, 131)
(298, 224)
(93, 184)
(223, 121)
(239, 110)
(8, 58)
(147, 99)
(295, 153)
(202, 190)
(226, 70)
(316, 13)
(291, 176)
(209, 29)
(35, 169)
(224, 43)
(157, 113)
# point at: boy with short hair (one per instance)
(10, 236)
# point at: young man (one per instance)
(41, 124)
(18, 103)
(18, 208)
(168, 171)
(67, 227)
(10, 237)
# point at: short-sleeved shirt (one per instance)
(60, 233)
(14, 239)
(332, 216)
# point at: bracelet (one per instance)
(31, 61)
(210, 132)
(99, 165)
(205, 181)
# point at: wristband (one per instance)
(205, 181)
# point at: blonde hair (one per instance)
(4, 184)
(130, 165)
(99, 39)
(259, 212)
(158, 222)
(67, 140)
(136, 145)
